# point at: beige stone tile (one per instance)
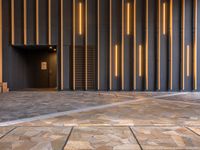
(4, 130)
(166, 138)
(102, 138)
(35, 138)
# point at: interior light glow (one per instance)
(164, 18)
(116, 60)
(80, 18)
(140, 60)
(188, 60)
(128, 19)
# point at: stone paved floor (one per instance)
(99, 120)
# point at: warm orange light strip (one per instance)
(74, 43)
(1, 57)
(110, 43)
(62, 44)
(188, 60)
(171, 44)
(164, 18)
(140, 60)
(25, 23)
(122, 48)
(135, 46)
(13, 21)
(86, 49)
(183, 44)
(49, 22)
(158, 50)
(116, 61)
(37, 22)
(195, 46)
(128, 18)
(80, 18)
(98, 42)
(147, 46)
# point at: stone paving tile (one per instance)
(143, 113)
(101, 138)
(166, 138)
(18, 105)
(4, 130)
(35, 138)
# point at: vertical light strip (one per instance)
(158, 51)
(49, 22)
(128, 19)
(183, 44)
(171, 44)
(98, 42)
(110, 43)
(195, 46)
(188, 60)
(61, 42)
(25, 23)
(1, 50)
(37, 22)
(164, 18)
(80, 18)
(74, 44)
(135, 45)
(147, 46)
(122, 48)
(13, 22)
(140, 60)
(116, 61)
(86, 49)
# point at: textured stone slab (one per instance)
(4, 130)
(166, 138)
(35, 138)
(101, 138)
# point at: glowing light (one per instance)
(80, 19)
(140, 60)
(188, 60)
(128, 19)
(116, 60)
(164, 18)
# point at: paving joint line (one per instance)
(67, 139)
(135, 138)
(192, 131)
(8, 133)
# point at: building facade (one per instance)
(140, 45)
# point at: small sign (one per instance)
(43, 65)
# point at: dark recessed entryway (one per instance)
(38, 68)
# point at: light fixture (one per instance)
(140, 60)
(164, 18)
(80, 18)
(116, 60)
(128, 19)
(188, 60)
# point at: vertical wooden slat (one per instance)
(74, 44)
(98, 44)
(86, 49)
(1, 50)
(158, 50)
(12, 22)
(171, 45)
(195, 47)
(147, 46)
(49, 22)
(61, 42)
(135, 44)
(183, 44)
(25, 22)
(122, 49)
(110, 44)
(37, 22)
